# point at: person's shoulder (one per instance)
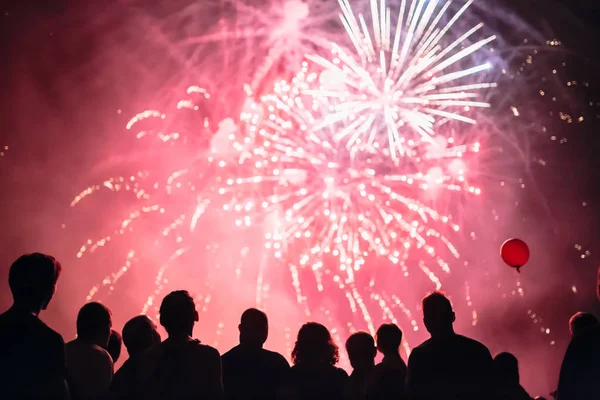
(5, 319)
(205, 350)
(70, 345)
(231, 353)
(47, 331)
(92, 351)
(422, 348)
(589, 338)
(275, 356)
(47, 334)
(340, 373)
(100, 351)
(591, 334)
(125, 367)
(467, 341)
(151, 356)
(379, 368)
(100, 354)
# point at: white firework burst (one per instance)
(400, 83)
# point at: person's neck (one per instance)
(137, 353)
(391, 356)
(24, 309)
(443, 333)
(364, 367)
(180, 337)
(250, 344)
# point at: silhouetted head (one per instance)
(315, 346)
(361, 350)
(140, 334)
(582, 321)
(388, 337)
(506, 368)
(32, 280)
(178, 313)
(93, 324)
(114, 345)
(437, 314)
(254, 327)
(539, 398)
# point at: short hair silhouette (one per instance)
(178, 313)
(438, 315)
(315, 345)
(139, 334)
(361, 348)
(582, 321)
(115, 341)
(389, 338)
(32, 279)
(254, 326)
(506, 367)
(94, 322)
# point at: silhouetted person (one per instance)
(314, 374)
(180, 367)
(249, 371)
(581, 322)
(506, 370)
(32, 355)
(361, 352)
(390, 373)
(139, 335)
(580, 371)
(89, 366)
(447, 366)
(115, 342)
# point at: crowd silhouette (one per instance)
(37, 364)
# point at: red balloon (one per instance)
(515, 253)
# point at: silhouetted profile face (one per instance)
(361, 350)
(582, 321)
(315, 346)
(437, 314)
(254, 327)
(140, 334)
(178, 313)
(32, 280)
(93, 324)
(388, 337)
(506, 367)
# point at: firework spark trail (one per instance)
(280, 34)
(404, 81)
(152, 197)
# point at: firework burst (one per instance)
(407, 80)
(348, 173)
(335, 207)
